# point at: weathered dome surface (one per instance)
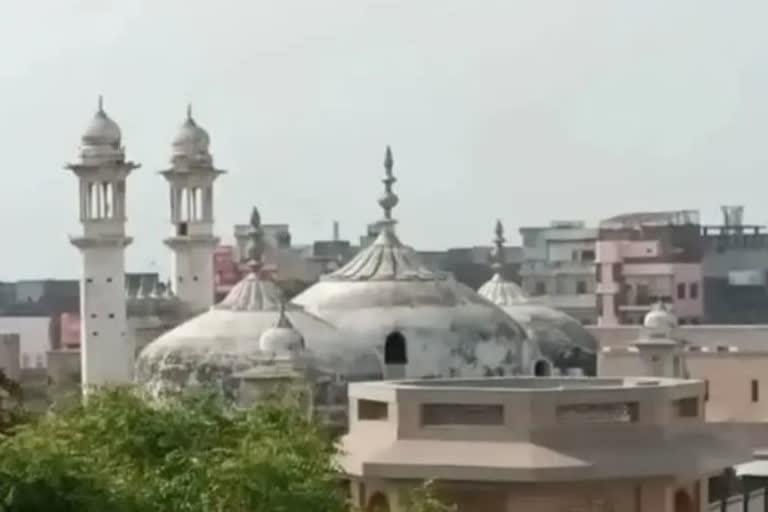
(102, 130)
(213, 346)
(447, 327)
(191, 140)
(209, 349)
(561, 338)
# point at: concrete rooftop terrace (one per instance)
(533, 429)
(523, 384)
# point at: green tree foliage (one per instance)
(424, 499)
(11, 404)
(119, 453)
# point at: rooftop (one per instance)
(526, 384)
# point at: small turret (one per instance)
(662, 354)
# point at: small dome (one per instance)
(102, 131)
(191, 140)
(502, 292)
(283, 339)
(660, 320)
(561, 338)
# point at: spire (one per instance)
(389, 200)
(256, 250)
(498, 251)
(283, 320)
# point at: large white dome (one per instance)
(440, 326)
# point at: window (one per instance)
(542, 369)
(541, 288)
(755, 390)
(706, 390)
(681, 290)
(617, 271)
(581, 287)
(394, 349)
(461, 414)
(693, 290)
(687, 407)
(588, 256)
(182, 229)
(598, 413)
(372, 410)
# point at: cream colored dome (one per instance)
(282, 339)
(503, 292)
(102, 131)
(233, 336)
(386, 294)
(191, 140)
(660, 320)
(561, 338)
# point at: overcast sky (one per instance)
(524, 110)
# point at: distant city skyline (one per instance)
(502, 109)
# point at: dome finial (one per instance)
(283, 320)
(189, 111)
(389, 200)
(256, 250)
(101, 104)
(498, 250)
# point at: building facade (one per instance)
(558, 267)
(643, 258)
(735, 270)
(536, 444)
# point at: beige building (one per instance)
(536, 444)
(730, 360)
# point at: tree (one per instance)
(120, 453)
(11, 404)
(424, 499)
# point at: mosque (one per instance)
(383, 315)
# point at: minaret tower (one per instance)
(191, 180)
(105, 350)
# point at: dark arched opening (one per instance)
(394, 349)
(378, 503)
(542, 368)
(683, 502)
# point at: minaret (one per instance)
(191, 180)
(105, 350)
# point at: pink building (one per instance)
(644, 258)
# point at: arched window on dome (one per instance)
(542, 368)
(395, 355)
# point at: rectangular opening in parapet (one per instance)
(182, 229)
